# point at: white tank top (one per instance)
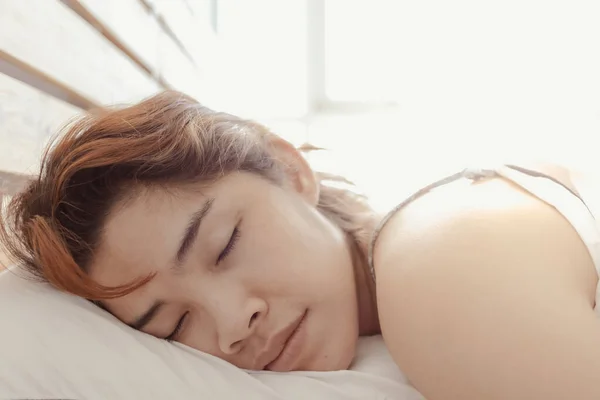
(578, 202)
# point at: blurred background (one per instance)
(395, 91)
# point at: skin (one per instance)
(483, 291)
(287, 260)
(486, 292)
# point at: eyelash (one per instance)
(230, 245)
(235, 235)
(175, 334)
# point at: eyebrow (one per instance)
(186, 242)
(191, 232)
(140, 322)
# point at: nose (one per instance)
(237, 325)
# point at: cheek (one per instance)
(282, 266)
(294, 251)
(307, 276)
(201, 335)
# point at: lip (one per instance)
(291, 347)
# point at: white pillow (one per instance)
(53, 345)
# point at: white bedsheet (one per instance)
(54, 345)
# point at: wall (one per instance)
(474, 81)
(59, 58)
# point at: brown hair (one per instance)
(52, 227)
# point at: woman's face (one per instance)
(246, 270)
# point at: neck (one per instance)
(368, 317)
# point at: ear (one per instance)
(298, 172)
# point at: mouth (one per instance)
(292, 347)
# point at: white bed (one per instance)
(54, 345)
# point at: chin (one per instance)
(331, 364)
(335, 357)
(343, 363)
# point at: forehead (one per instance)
(142, 234)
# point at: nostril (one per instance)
(253, 318)
(236, 346)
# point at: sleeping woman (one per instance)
(203, 228)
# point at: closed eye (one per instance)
(177, 331)
(235, 235)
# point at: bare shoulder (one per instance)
(490, 224)
(471, 277)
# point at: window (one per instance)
(361, 61)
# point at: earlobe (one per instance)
(298, 172)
